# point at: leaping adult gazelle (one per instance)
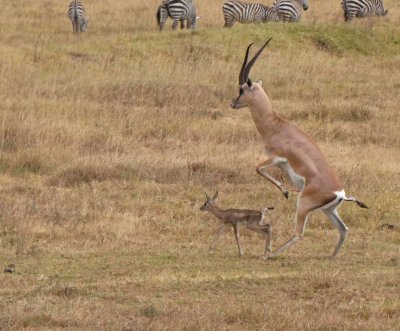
(290, 148)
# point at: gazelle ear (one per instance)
(259, 82)
(207, 197)
(249, 82)
(215, 195)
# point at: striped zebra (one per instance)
(244, 12)
(290, 10)
(77, 15)
(179, 11)
(362, 8)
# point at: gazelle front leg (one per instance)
(261, 167)
(216, 237)
(302, 212)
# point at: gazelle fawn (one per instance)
(296, 153)
(254, 220)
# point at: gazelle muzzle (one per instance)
(235, 104)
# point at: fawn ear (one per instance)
(215, 195)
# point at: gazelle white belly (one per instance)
(297, 180)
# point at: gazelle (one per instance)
(290, 148)
(255, 220)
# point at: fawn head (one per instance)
(209, 201)
(247, 88)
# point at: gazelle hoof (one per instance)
(286, 194)
(267, 256)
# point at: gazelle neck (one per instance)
(217, 212)
(261, 111)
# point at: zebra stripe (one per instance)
(290, 10)
(77, 15)
(243, 12)
(162, 15)
(362, 8)
(179, 11)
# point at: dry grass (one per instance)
(108, 140)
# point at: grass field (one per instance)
(108, 141)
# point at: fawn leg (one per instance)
(237, 237)
(216, 237)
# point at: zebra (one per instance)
(290, 10)
(162, 15)
(244, 12)
(77, 15)
(179, 11)
(362, 8)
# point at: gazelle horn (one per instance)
(241, 75)
(244, 73)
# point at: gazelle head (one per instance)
(246, 87)
(209, 201)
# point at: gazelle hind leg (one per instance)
(334, 217)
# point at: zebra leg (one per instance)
(161, 24)
(183, 24)
(84, 25)
(75, 27)
(81, 26)
(175, 24)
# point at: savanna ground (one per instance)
(108, 141)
